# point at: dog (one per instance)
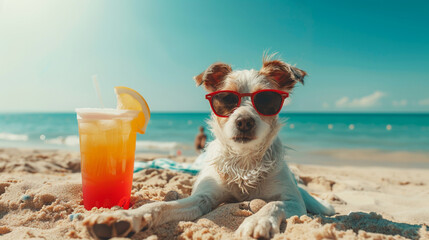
(244, 162)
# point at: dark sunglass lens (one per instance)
(268, 103)
(224, 103)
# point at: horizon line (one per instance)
(208, 112)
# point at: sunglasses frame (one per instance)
(283, 94)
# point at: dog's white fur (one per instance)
(234, 170)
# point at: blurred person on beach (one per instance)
(200, 140)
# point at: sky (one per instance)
(360, 56)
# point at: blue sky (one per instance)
(361, 56)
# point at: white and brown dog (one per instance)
(244, 162)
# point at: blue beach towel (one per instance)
(165, 163)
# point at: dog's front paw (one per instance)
(258, 227)
(116, 224)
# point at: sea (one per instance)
(174, 133)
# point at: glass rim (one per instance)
(105, 113)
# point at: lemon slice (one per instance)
(129, 99)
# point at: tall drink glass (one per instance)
(107, 146)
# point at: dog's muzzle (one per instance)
(246, 129)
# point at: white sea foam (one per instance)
(157, 145)
(71, 140)
(13, 137)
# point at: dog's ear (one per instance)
(283, 75)
(213, 76)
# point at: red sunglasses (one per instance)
(267, 102)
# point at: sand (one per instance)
(40, 198)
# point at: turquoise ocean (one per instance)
(170, 132)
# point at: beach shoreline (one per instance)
(40, 197)
(361, 158)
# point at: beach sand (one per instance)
(40, 198)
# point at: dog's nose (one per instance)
(245, 124)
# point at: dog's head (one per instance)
(245, 128)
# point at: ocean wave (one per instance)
(157, 145)
(71, 140)
(13, 137)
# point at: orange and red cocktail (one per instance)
(107, 145)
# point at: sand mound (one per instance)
(48, 204)
(38, 161)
